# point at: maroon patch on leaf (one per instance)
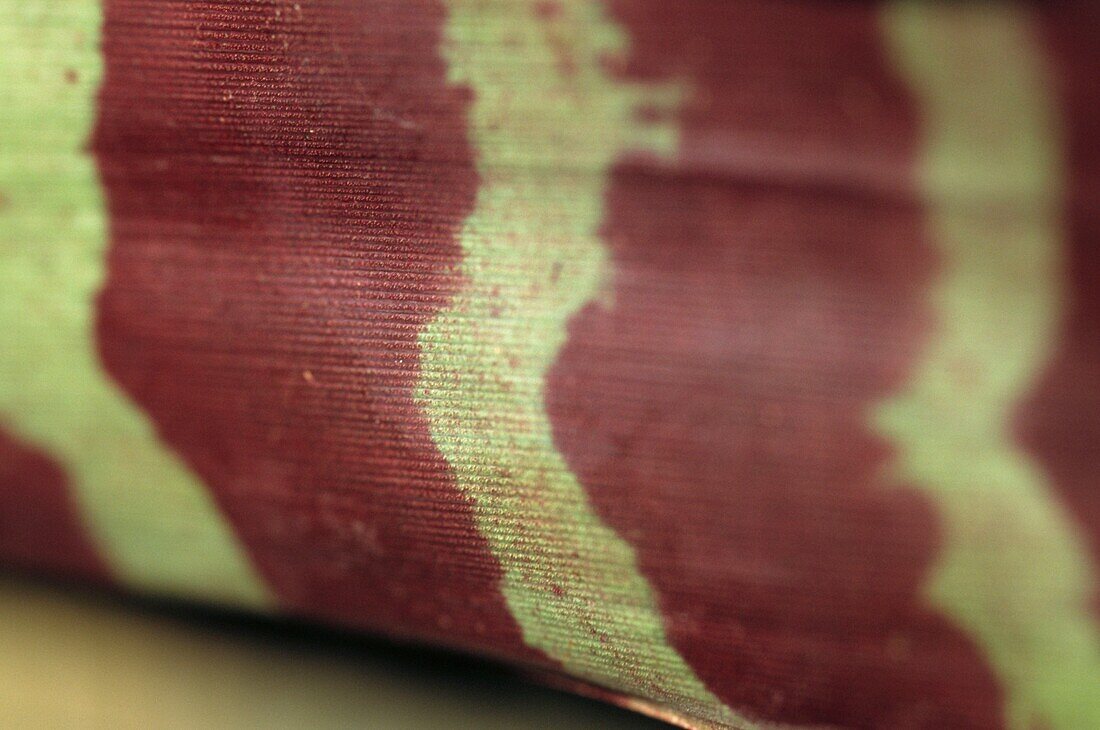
(769, 292)
(1060, 422)
(40, 528)
(285, 184)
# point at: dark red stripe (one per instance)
(769, 291)
(40, 528)
(1060, 421)
(285, 182)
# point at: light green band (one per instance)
(547, 124)
(153, 520)
(1013, 571)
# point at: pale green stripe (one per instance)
(151, 517)
(1013, 571)
(545, 140)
